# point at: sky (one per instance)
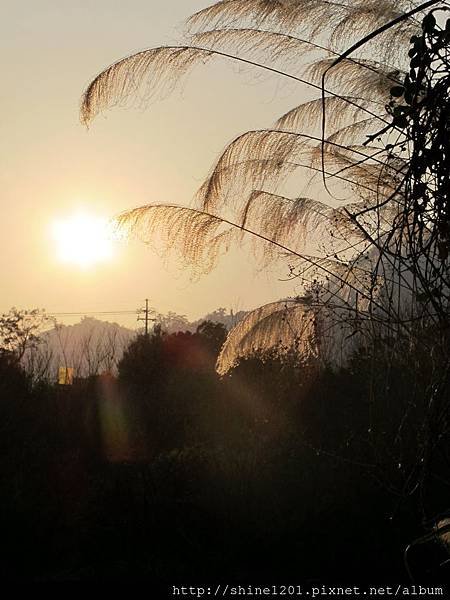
(51, 166)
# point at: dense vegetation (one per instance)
(170, 473)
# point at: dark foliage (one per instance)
(169, 473)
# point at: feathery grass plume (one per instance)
(279, 325)
(336, 22)
(265, 159)
(314, 223)
(341, 112)
(139, 77)
(346, 242)
(267, 156)
(293, 54)
(266, 45)
(157, 70)
(362, 76)
(273, 151)
(300, 224)
(317, 326)
(288, 15)
(197, 238)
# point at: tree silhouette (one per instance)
(19, 330)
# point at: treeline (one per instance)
(89, 347)
(279, 470)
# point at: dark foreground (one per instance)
(185, 479)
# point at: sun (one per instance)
(83, 240)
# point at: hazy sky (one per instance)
(51, 166)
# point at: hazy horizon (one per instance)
(53, 167)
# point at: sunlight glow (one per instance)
(83, 240)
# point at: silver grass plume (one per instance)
(243, 195)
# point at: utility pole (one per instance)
(145, 318)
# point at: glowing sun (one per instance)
(83, 240)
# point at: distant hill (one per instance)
(89, 347)
(92, 346)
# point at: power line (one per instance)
(104, 312)
(137, 311)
